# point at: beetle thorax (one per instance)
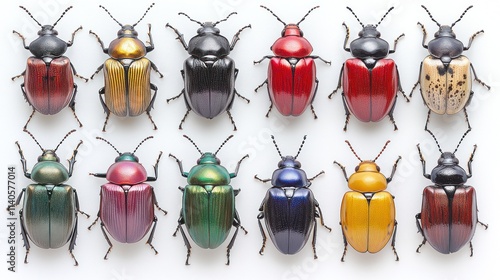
(208, 158)
(369, 45)
(448, 172)
(292, 43)
(445, 46)
(48, 155)
(127, 47)
(127, 157)
(48, 45)
(48, 169)
(367, 178)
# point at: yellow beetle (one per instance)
(368, 214)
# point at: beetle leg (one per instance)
(424, 35)
(394, 169)
(151, 103)
(235, 173)
(469, 164)
(262, 180)
(77, 204)
(319, 214)
(29, 119)
(320, 58)
(179, 163)
(347, 113)
(237, 225)
(95, 221)
(156, 69)
(180, 36)
(346, 37)
(343, 170)
(418, 81)
(264, 238)
(312, 100)
(150, 42)
(339, 83)
(175, 97)
(400, 88)
(104, 49)
(180, 222)
(231, 119)
(107, 240)
(477, 79)
(261, 85)
(19, 76)
(396, 43)
(105, 107)
(315, 232)
(72, 242)
(23, 161)
(393, 243)
(72, 104)
(419, 228)
(262, 59)
(151, 235)
(24, 235)
(97, 71)
(483, 224)
(317, 175)
(157, 205)
(76, 74)
(345, 244)
(70, 42)
(236, 36)
(241, 96)
(71, 161)
(18, 199)
(472, 39)
(184, 118)
(155, 168)
(22, 38)
(391, 113)
(422, 160)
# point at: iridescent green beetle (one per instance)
(50, 207)
(208, 203)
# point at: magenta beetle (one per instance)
(48, 79)
(445, 75)
(127, 88)
(209, 73)
(127, 201)
(449, 216)
(370, 81)
(291, 75)
(290, 198)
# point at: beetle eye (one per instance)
(378, 168)
(356, 169)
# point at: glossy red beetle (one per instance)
(370, 81)
(127, 202)
(448, 217)
(291, 75)
(48, 79)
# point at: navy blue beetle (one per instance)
(289, 208)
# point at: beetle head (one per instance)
(445, 30)
(369, 30)
(367, 165)
(208, 158)
(208, 28)
(448, 158)
(127, 156)
(127, 31)
(47, 29)
(49, 155)
(289, 161)
(292, 30)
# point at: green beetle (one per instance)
(49, 214)
(208, 203)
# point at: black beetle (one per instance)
(209, 73)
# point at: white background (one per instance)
(325, 142)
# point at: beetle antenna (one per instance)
(262, 6)
(65, 11)
(429, 13)
(313, 8)
(352, 150)
(112, 146)
(181, 13)
(144, 140)
(223, 143)
(36, 141)
(386, 143)
(301, 145)
(192, 142)
(392, 8)
(233, 13)
(461, 16)
(460, 142)
(437, 143)
(276, 145)
(30, 15)
(102, 7)
(149, 8)
(64, 138)
(362, 25)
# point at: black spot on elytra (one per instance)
(460, 83)
(427, 77)
(465, 76)
(441, 70)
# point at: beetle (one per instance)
(449, 214)
(368, 212)
(208, 202)
(127, 73)
(445, 75)
(370, 81)
(289, 198)
(291, 75)
(49, 216)
(127, 202)
(209, 73)
(48, 84)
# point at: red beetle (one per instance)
(370, 81)
(448, 217)
(127, 202)
(48, 79)
(291, 76)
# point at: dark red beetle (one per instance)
(448, 217)
(370, 80)
(127, 202)
(291, 75)
(48, 79)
